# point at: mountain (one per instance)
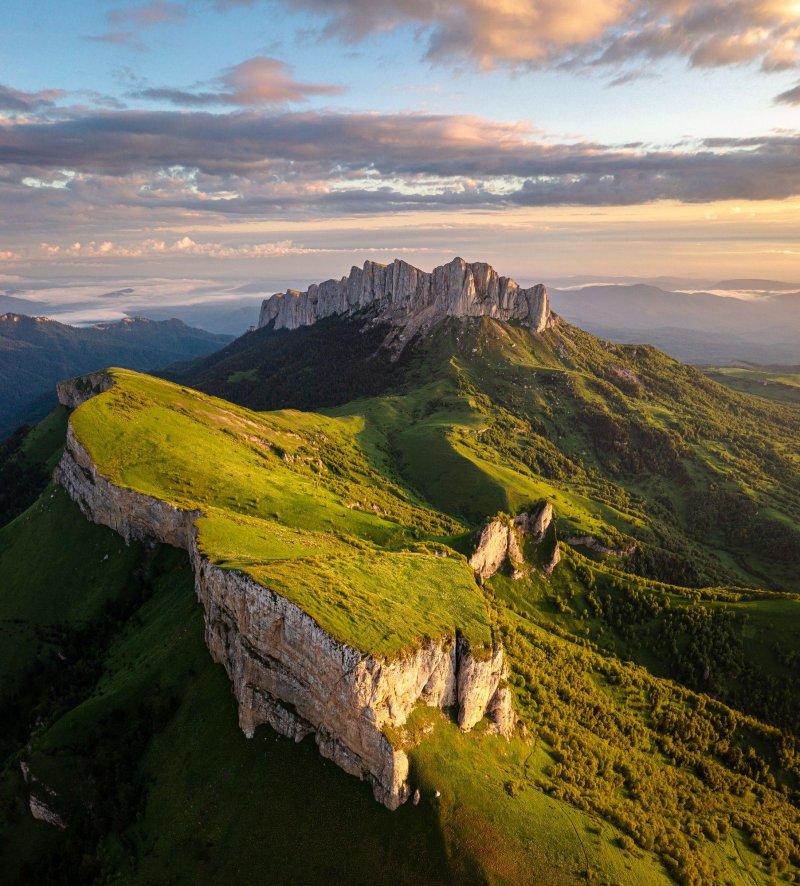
(536, 590)
(757, 284)
(410, 299)
(682, 323)
(13, 303)
(35, 352)
(222, 317)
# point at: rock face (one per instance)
(74, 391)
(412, 299)
(42, 812)
(537, 524)
(492, 549)
(498, 542)
(39, 807)
(285, 669)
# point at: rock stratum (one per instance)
(411, 299)
(285, 669)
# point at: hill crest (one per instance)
(411, 299)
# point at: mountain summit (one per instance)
(412, 299)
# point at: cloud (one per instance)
(577, 33)
(151, 248)
(156, 12)
(16, 100)
(125, 22)
(790, 97)
(632, 76)
(118, 38)
(290, 163)
(258, 82)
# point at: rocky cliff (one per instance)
(501, 541)
(285, 669)
(412, 299)
(74, 391)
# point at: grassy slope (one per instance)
(294, 504)
(627, 774)
(76, 587)
(144, 802)
(775, 384)
(93, 561)
(631, 447)
(197, 802)
(27, 459)
(483, 416)
(495, 818)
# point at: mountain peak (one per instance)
(412, 299)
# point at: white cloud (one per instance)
(537, 33)
(184, 246)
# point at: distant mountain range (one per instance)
(223, 317)
(697, 321)
(36, 352)
(696, 327)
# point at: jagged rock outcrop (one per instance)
(74, 391)
(412, 299)
(38, 806)
(555, 559)
(288, 671)
(42, 812)
(491, 551)
(498, 542)
(536, 524)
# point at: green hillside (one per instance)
(780, 383)
(295, 504)
(630, 445)
(654, 674)
(37, 352)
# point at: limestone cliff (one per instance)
(285, 669)
(74, 391)
(412, 299)
(499, 542)
(40, 799)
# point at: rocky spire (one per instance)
(412, 299)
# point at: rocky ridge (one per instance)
(38, 806)
(500, 542)
(285, 669)
(412, 300)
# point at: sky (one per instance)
(274, 139)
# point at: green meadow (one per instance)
(774, 383)
(291, 500)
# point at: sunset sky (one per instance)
(254, 139)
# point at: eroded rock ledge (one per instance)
(500, 542)
(285, 669)
(412, 299)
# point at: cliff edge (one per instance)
(412, 300)
(285, 668)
